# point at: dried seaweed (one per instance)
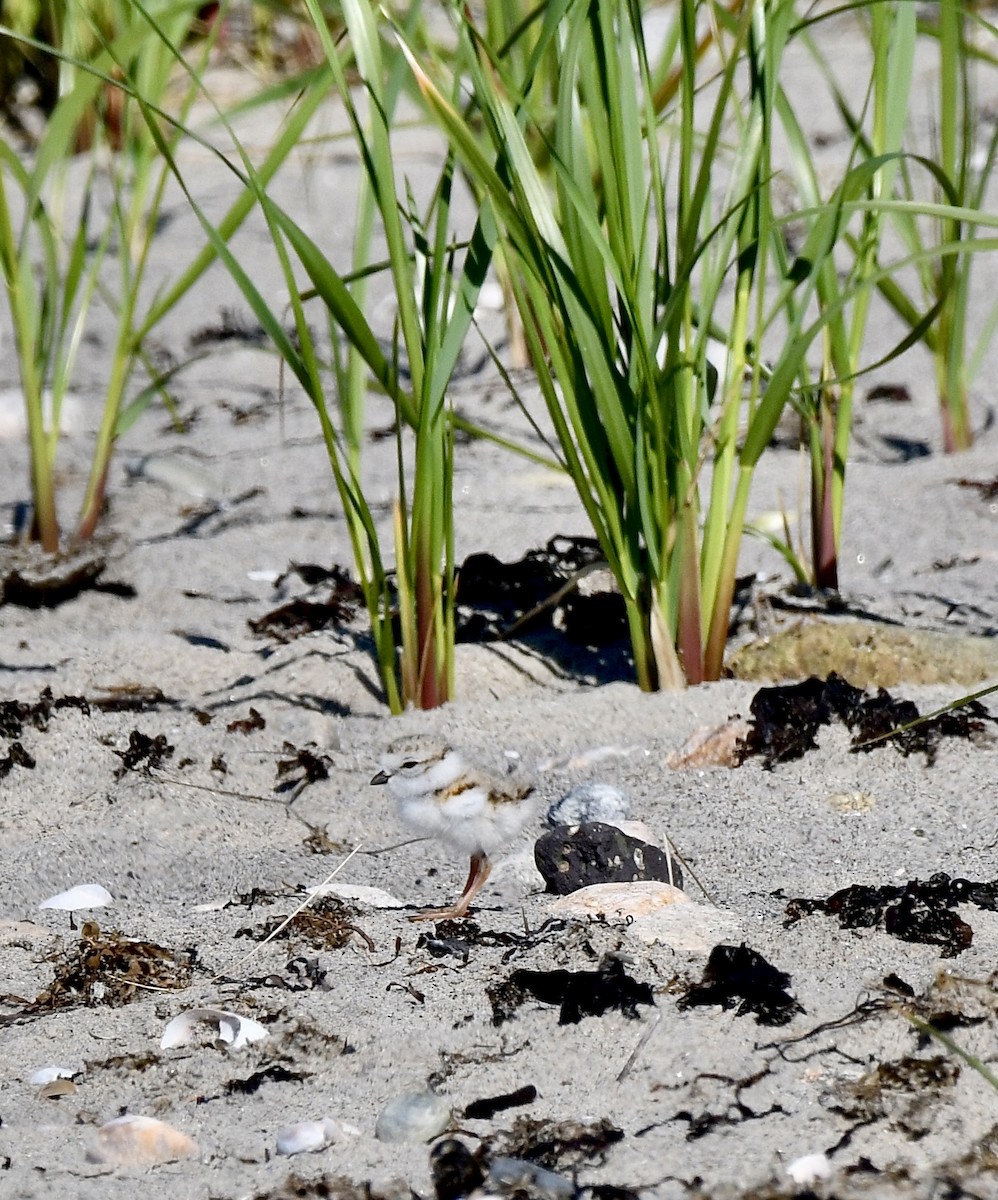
(738, 975)
(916, 911)
(112, 970)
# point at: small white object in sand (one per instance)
(230, 1029)
(809, 1169)
(590, 800)
(372, 897)
(84, 895)
(49, 1074)
(309, 1137)
(140, 1141)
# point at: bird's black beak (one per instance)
(381, 777)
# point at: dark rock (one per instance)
(573, 857)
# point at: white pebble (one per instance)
(809, 1169)
(590, 801)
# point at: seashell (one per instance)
(140, 1141)
(56, 1089)
(590, 801)
(716, 746)
(414, 1117)
(84, 895)
(46, 1075)
(516, 1175)
(308, 1137)
(809, 1169)
(176, 473)
(231, 1029)
(617, 901)
(372, 897)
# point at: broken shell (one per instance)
(84, 895)
(590, 801)
(358, 893)
(140, 1141)
(619, 900)
(46, 1075)
(230, 1029)
(509, 1175)
(177, 474)
(308, 1137)
(414, 1117)
(56, 1089)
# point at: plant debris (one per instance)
(334, 604)
(303, 765)
(112, 970)
(486, 1108)
(145, 752)
(740, 975)
(786, 719)
(558, 1145)
(15, 714)
(323, 925)
(915, 911)
(16, 756)
(578, 993)
(32, 578)
(987, 489)
(248, 724)
(539, 592)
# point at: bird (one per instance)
(439, 794)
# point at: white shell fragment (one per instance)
(590, 801)
(177, 473)
(809, 1169)
(140, 1141)
(358, 893)
(657, 912)
(84, 895)
(509, 1175)
(49, 1074)
(414, 1117)
(229, 1029)
(309, 1137)
(620, 900)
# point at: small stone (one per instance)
(590, 801)
(570, 858)
(414, 1117)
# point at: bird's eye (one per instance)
(407, 766)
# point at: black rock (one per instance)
(572, 857)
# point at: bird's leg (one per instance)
(478, 873)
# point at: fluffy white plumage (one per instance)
(438, 794)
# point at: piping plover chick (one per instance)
(437, 793)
